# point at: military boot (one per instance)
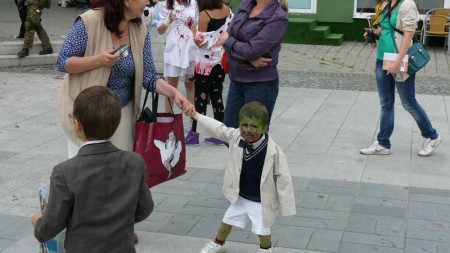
(48, 50)
(24, 52)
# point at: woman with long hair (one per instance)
(397, 26)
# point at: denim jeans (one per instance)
(241, 93)
(407, 91)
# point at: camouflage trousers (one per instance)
(32, 24)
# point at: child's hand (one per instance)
(35, 217)
(199, 39)
(194, 115)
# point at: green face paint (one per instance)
(251, 129)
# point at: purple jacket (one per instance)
(250, 38)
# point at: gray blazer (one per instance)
(98, 196)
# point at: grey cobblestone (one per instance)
(379, 210)
(332, 237)
(375, 240)
(420, 246)
(361, 223)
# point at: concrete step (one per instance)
(9, 50)
(334, 39)
(31, 60)
(306, 31)
(13, 47)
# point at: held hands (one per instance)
(194, 114)
(182, 102)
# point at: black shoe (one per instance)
(48, 50)
(24, 52)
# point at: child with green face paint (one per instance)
(257, 181)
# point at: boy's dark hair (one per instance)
(209, 4)
(98, 110)
(255, 110)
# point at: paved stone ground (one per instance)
(326, 111)
(346, 202)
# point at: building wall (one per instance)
(337, 11)
(338, 14)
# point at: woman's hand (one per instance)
(182, 103)
(80, 64)
(163, 88)
(108, 58)
(260, 62)
(223, 37)
(394, 67)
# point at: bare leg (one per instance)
(266, 241)
(224, 231)
(173, 81)
(189, 84)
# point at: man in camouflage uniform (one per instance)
(33, 23)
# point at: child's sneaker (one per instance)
(212, 247)
(429, 146)
(269, 250)
(191, 139)
(214, 141)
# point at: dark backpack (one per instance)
(44, 4)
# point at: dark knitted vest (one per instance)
(252, 167)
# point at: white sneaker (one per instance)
(429, 146)
(269, 250)
(375, 149)
(212, 247)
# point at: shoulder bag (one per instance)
(159, 139)
(418, 57)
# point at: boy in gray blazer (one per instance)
(101, 193)
(257, 181)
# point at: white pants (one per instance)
(122, 138)
(243, 211)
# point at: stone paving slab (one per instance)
(346, 202)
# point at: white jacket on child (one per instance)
(277, 191)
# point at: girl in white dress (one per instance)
(178, 19)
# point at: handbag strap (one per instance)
(391, 26)
(379, 14)
(155, 97)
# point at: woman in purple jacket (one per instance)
(253, 42)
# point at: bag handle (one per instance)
(154, 109)
(155, 97)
